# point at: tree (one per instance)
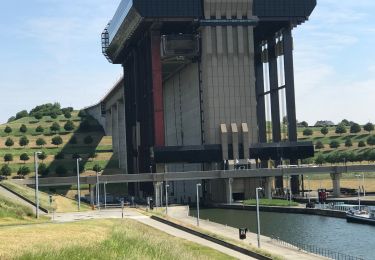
(43, 169)
(8, 157)
(324, 130)
(304, 124)
(42, 156)
(69, 126)
(55, 127)
(11, 119)
(307, 132)
(75, 156)
(81, 168)
(23, 128)
(57, 140)
(24, 157)
(9, 142)
(355, 128)
(319, 145)
(67, 115)
(40, 142)
(23, 141)
(345, 122)
(369, 127)
(8, 129)
(320, 159)
(53, 115)
(88, 139)
(340, 129)
(6, 170)
(38, 116)
(371, 140)
(61, 170)
(361, 144)
(39, 129)
(97, 168)
(22, 114)
(334, 144)
(348, 142)
(23, 170)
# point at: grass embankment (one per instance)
(269, 202)
(160, 212)
(12, 213)
(98, 239)
(59, 204)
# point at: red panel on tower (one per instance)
(157, 89)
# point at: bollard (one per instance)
(122, 209)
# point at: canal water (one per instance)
(324, 232)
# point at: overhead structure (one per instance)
(205, 83)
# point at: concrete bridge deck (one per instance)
(199, 175)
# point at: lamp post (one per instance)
(36, 184)
(97, 190)
(198, 185)
(308, 184)
(363, 184)
(166, 198)
(78, 185)
(258, 220)
(359, 192)
(105, 194)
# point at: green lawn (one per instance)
(99, 239)
(269, 202)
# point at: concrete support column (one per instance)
(157, 195)
(108, 122)
(115, 137)
(122, 136)
(229, 195)
(224, 141)
(268, 187)
(235, 141)
(245, 141)
(92, 194)
(336, 184)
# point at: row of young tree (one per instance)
(44, 170)
(348, 143)
(55, 127)
(342, 129)
(344, 157)
(56, 140)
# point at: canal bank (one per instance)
(276, 209)
(179, 215)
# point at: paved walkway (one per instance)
(132, 214)
(232, 233)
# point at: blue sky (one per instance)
(50, 52)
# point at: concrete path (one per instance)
(180, 214)
(16, 199)
(132, 214)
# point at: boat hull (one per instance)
(359, 219)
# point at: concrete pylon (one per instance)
(157, 194)
(268, 187)
(229, 195)
(336, 177)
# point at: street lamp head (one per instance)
(198, 184)
(38, 153)
(79, 159)
(260, 188)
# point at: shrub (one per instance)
(307, 132)
(33, 122)
(75, 156)
(23, 170)
(43, 169)
(97, 168)
(24, 157)
(320, 159)
(371, 140)
(355, 128)
(67, 115)
(8, 129)
(53, 115)
(69, 126)
(361, 144)
(6, 170)
(60, 156)
(39, 129)
(23, 128)
(22, 114)
(340, 129)
(11, 119)
(348, 142)
(55, 127)
(88, 139)
(57, 140)
(42, 156)
(8, 157)
(23, 141)
(324, 130)
(9, 142)
(61, 170)
(67, 109)
(38, 116)
(319, 145)
(40, 142)
(334, 144)
(369, 127)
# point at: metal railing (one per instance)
(316, 250)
